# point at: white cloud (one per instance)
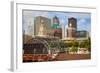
(82, 21)
(78, 15)
(84, 25)
(30, 13)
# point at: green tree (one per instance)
(73, 49)
(63, 44)
(86, 44)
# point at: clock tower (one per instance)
(72, 28)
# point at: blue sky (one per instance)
(83, 19)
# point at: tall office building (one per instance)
(57, 30)
(55, 22)
(72, 28)
(42, 26)
(72, 22)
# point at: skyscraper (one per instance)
(57, 30)
(72, 22)
(42, 26)
(55, 22)
(72, 28)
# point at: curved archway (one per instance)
(36, 46)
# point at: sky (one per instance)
(83, 19)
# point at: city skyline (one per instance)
(83, 19)
(56, 36)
